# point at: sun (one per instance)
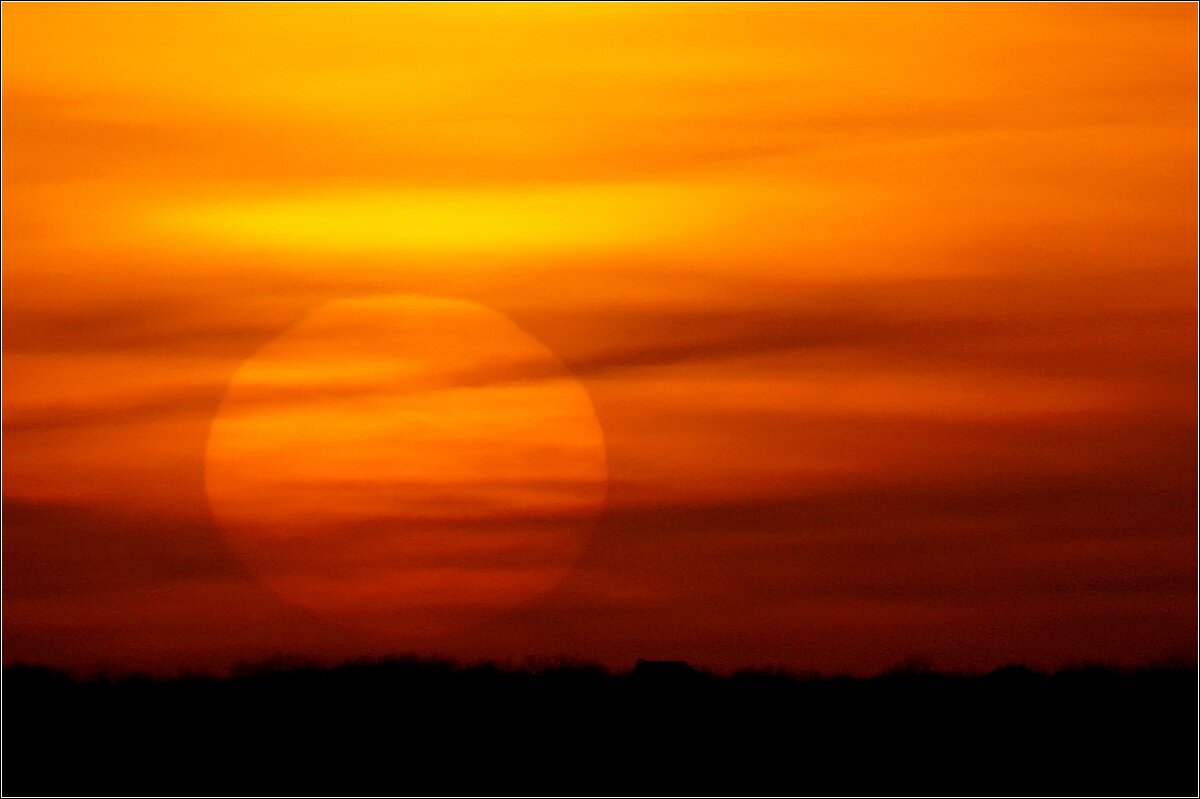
(406, 465)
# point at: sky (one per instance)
(817, 337)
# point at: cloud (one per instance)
(1006, 327)
(66, 549)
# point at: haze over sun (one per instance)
(822, 336)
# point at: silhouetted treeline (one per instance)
(411, 726)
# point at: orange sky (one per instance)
(887, 315)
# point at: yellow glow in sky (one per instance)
(484, 222)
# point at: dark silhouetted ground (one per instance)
(422, 727)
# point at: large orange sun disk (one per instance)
(406, 465)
